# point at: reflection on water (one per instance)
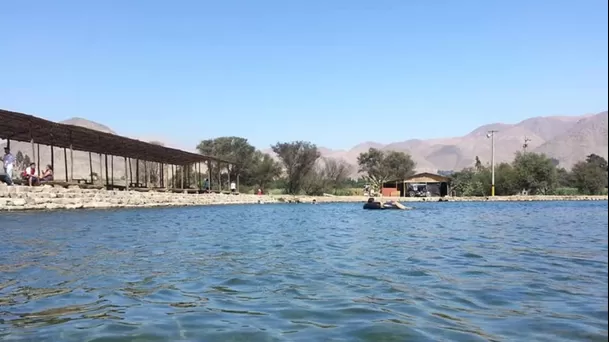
(445, 271)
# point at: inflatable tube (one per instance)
(380, 206)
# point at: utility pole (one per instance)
(491, 135)
(526, 144)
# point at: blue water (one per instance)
(301, 272)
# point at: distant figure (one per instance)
(259, 191)
(47, 175)
(8, 161)
(314, 201)
(367, 190)
(233, 187)
(206, 185)
(30, 174)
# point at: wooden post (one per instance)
(91, 167)
(161, 175)
(65, 162)
(173, 177)
(199, 176)
(228, 174)
(106, 164)
(182, 179)
(146, 173)
(130, 172)
(100, 170)
(237, 182)
(126, 174)
(53, 160)
(71, 162)
(219, 178)
(137, 172)
(38, 159)
(8, 143)
(209, 173)
(33, 152)
(112, 169)
(188, 175)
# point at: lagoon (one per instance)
(510, 271)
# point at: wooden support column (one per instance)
(106, 164)
(228, 174)
(112, 169)
(53, 160)
(219, 177)
(130, 172)
(91, 167)
(209, 173)
(137, 172)
(8, 143)
(173, 177)
(146, 173)
(182, 178)
(237, 182)
(188, 175)
(101, 173)
(65, 162)
(126, 174)
(161, 175)
(38, 159)
(71, 163)
(199, 176)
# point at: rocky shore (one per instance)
(51, 198)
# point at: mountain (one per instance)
(566, 138)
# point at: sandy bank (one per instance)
(50, 198)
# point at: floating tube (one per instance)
(381, 206)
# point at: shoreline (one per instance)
(46, 198)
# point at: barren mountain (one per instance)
(566, 138)
(586, 136)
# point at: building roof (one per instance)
(24, 127)
(423, 177)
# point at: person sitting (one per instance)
(29, 175)
(47, 175)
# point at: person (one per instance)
(233, 187)
(8, 163)
(47, 175)
(206, 185)
(30, 174)
(259, 192)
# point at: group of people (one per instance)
(29, 175)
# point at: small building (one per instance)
(420, 185)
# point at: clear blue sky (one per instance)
(333, 72)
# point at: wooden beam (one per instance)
(182, 178)
(53, 160)
(106, 164)
(65, 162)
(146, 173)
(100, 170)
(137, 172)
(126, 174)
(71, 163)
(112, 170)
(38, 159)
(91, 167)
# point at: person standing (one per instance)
(233, 187)
(8, 162)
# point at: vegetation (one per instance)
(534, 174)
(298, 168)
(383, 166)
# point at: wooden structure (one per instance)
(439, 185)
(27, 128)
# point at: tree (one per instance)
(26, 161)
(264, 170)
(336, 171)
(381, 166)
(590, 176)
(19, 160)
(298, 159)
(478, 164)
(231, 148)
(467, 182)
(597, 160)
(534, 172)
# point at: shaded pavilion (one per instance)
(21, 127)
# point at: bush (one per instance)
(566, 192)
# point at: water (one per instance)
(298, 272)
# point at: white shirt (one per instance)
(233, 186)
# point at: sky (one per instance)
(336, 73)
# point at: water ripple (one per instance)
(443, 272)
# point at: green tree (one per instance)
(230, 148)
(264, 170)
(469, 182)
(535, 173)
(381, 166)
(298, 159)
(336, 172)
(590, 176)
